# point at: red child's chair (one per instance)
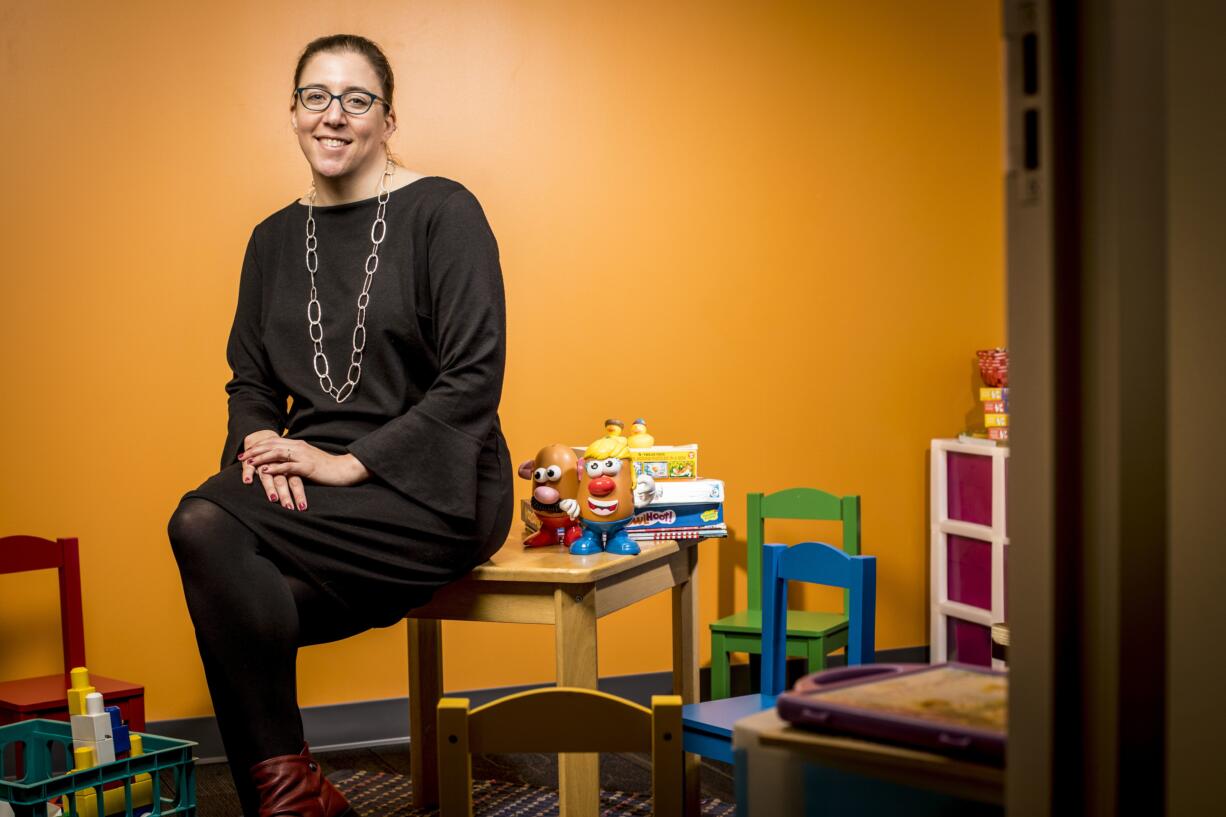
(46, 696)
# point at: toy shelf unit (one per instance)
(37, 777)
(968, 549)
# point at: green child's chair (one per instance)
(810, 634)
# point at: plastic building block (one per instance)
(91, 727)
(80, 688)
(92, 730)
(104, 750)
(84, 757)
(123, 741)
(113, 799)
(119, 731)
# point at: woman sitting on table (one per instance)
(374, 307)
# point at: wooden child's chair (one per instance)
(46, 696)
(811, 634)
(559, 719)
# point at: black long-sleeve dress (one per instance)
(423, 418)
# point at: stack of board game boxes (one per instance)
(682, 509)
(683, 506)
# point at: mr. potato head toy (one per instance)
(555, 485)
(608, 496)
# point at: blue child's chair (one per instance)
(707, 726)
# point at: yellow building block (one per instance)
(80, 688)
(113, 801)
(83, 757)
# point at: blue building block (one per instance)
(119, 732)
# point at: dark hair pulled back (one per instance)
(358, 45)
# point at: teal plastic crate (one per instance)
(37, 743)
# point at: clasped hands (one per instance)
(282, 464)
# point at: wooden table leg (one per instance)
(685, 664)
(575, 633)
(425, 689)
(685, 633)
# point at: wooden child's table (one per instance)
(550, 586)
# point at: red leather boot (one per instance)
(294, 786)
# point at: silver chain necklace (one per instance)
(315, 328)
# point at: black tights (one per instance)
(250, 619)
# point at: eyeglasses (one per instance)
(352, 102)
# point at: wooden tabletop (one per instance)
(516, 563)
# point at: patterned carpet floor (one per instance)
(385, 782)
(387, 795)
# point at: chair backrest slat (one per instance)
(801, 503)
(544, 720)
(816, 563)
(795, 503)
(19, 554)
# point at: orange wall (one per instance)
(793, 209)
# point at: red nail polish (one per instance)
(272, 497)
(302, 506)
(247, 480)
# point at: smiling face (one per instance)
(341, 145)
(606, 489)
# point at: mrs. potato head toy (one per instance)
(608, 496)
(555, 485)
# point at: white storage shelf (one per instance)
(968, 549)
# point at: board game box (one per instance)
(952, 709)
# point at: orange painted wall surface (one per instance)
(787, 216)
